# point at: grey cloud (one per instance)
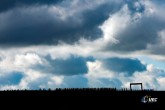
(124, 65)
(133, 8)
(38, 25)
(140, 33)
(137, 36)
(73, 65)
(6, 5)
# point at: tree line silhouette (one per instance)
(81, 89)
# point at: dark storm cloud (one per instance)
(137, 36)
(10, 4)
(42, 25)
(11, 79)
(124, 65)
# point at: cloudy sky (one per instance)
(82, 43)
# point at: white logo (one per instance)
(149, 99)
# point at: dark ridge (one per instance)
(83, 98)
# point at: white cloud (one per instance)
(151, 79)
(27, 60)
(58, 80)
(161, 82)
(98, 76)
(114, 24)
(96, 70)
(150, 67)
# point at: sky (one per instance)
(82, 44)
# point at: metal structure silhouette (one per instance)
(136, 84)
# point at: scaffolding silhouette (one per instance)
(131, 84)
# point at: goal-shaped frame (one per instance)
(133, 84)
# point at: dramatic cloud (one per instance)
(133, 30)
(158, 48)
(8, 4)
(79, 43)
(67, 21)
